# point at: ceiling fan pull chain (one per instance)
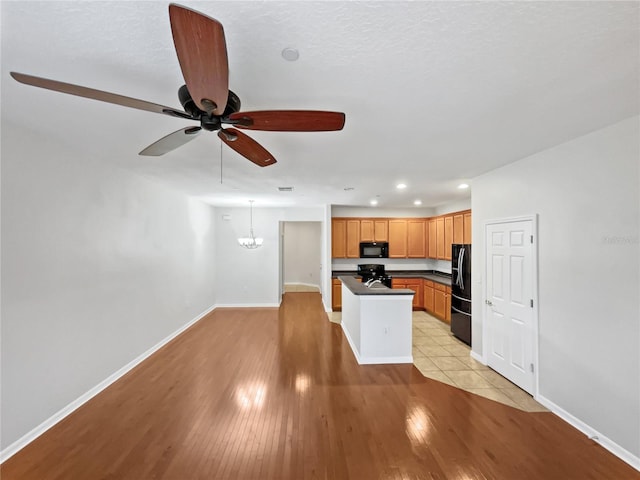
(220, 162)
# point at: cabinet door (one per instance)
(366, 230)
(381, 230)
(353, 238)
(440, 238)
(336, 294)
(447, 312)
(338, 238)
(428, 296)
(448, 236)
(416, 244)
(467, 228)
(458, 228)
(416, 286)
(433, 253)
(398, 238)
(439, 304)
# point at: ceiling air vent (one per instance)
(285, 189)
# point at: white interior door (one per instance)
(509, 313)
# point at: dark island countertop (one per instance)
(358, 288)
(433, 275)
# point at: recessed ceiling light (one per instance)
(373, 202)
(417, 202)
(290, 54)
(401, 186)
(462, 186)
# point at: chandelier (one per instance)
(251, 241)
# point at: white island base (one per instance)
(378, 325)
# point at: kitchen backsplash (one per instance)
(349, 264)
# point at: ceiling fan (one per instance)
(202, 53)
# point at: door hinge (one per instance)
(531, 367)
(531, 237)
(531, 302)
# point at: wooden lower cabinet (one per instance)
(437, 300)
(336, 294)
(428, 296)
(414, 284)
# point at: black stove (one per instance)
(374, 271)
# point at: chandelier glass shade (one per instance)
(251, 241)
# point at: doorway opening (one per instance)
(301, 250)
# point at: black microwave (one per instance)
(374, 249)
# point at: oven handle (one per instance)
(459, 311)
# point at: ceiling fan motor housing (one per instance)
(209, 122)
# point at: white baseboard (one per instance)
(384, 360)
(593, 434)
(303, 284)
(248, 305)
(478, 358)
(70, 408)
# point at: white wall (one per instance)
(302, 253)
(419, 212)
(457, 206)
(98, 266)
(251, 277)
(586, 195)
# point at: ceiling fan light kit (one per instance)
(201, 48)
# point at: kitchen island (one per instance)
(377, 321)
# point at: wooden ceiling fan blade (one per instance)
(171, 142)
(94, 94)
(246, 146)
(289, 120)
(202, 52)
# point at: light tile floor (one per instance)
(438, 355)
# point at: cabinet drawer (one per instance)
(439, 286)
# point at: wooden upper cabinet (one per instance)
(467, 227)
(432, 237)
(338, 238)
(381, 230)
(353, 238)
(440, 238)
(366, 230)
(458, 228)
(448, 236)
(416, 238)
(374, 230)
(398, 238)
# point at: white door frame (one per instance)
(536, 340)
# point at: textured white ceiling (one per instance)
(434, 92)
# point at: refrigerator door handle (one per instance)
(459, 311)
(461, 268)
(460, 298)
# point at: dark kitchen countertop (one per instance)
(433, 275)
(358, 288)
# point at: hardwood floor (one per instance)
(277, 394)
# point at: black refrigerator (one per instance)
(461, 292)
